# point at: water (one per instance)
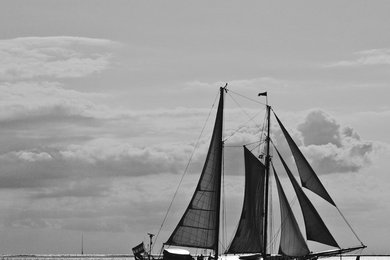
(130, 257)
(68, 257)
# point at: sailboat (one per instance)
(200, 224)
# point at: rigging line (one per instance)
(238, 104)
(253, 100)
(238, 129)
(185, 169)
(240, 146)
(251, 118)
(349, 225)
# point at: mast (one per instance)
(216, 241)
(267, 171)
(150, 244)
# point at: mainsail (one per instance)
(309, 178)
(292, 242)
(199, 225)
(249, 234)
(316, 229)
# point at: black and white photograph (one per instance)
(194, 130)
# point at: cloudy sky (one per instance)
(102, 103)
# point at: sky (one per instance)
(103, 102)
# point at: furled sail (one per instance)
(199, 225)
(249, 234)
(292, 242)
(316, 229)
(309, 178)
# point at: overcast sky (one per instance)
(102, 102)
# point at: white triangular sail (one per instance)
(292, 242)
(316, 229)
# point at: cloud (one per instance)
(319, 128)
(100, 159)
(366, 58)
(333, 149)
(53, 57)
(83, 166)
(26, 100)
(117, 207)
(31, 156)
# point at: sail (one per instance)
(315, 226)
(249, 234)
(200, 223)
(292, 242)
(309, 178)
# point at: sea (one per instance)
(130, 257)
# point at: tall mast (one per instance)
(267, 171)
(216, 241)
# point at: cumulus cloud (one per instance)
(331, 148)
(366, 58)
(54, 57)
(319, 128)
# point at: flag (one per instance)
(263, 94)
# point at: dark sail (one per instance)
(315, 227)
(308, 177)
(292, 242)
(200, 223)
(249, 234)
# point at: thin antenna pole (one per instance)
(82, 243)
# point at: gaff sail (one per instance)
(249, 235)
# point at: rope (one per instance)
(238, 129)
(185, 171)
(238, 104)
(251, 118)
(253, 100)
(353, 231)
